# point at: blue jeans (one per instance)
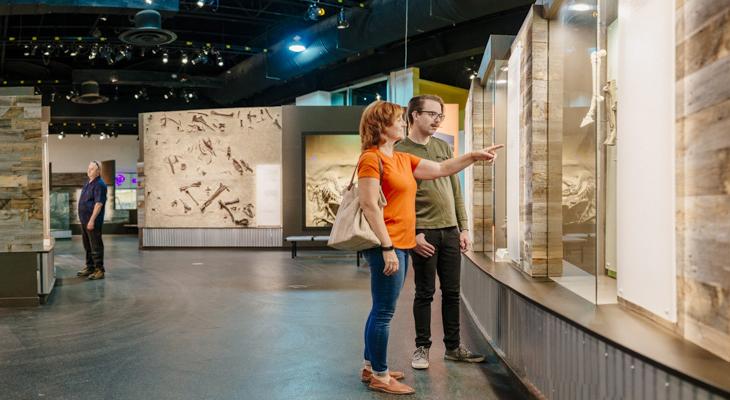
(384, 291)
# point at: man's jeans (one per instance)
(384, 291)
(446, 262)
(94, 246)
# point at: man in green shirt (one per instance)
(441, 235)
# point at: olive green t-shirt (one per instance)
(439, 203)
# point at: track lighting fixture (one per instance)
(314, 12)
(165, 57)
(184, 59)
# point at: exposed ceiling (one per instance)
(58, 44)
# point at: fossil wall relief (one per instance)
(200, 165)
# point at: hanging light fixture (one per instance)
(296, 45)
(342, 22)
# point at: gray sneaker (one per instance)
(420, 358)
(462, 354)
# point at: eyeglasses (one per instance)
(433, 114)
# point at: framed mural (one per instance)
(329, 161)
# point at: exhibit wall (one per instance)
(316, 121)
(64, 154)
(211, 170)
(703, 172)
(21, 174)
(329, 162)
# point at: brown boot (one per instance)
(85, 272)
(366, 375)
(98, 274)
(392, 386)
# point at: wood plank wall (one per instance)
(703, 172)
(21, 174)
(540, 218)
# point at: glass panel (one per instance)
(500, 167)
(339, 98)
(365, 95)
(573, 118)
(60, 211)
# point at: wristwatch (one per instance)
(387, 248)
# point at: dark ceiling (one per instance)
(57, 45)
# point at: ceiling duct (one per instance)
(90, 94)
(382, 23)
(147, 31)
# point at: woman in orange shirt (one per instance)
(381, 127)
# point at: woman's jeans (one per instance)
(384, 291)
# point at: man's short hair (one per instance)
(98, 165)
(416, 104)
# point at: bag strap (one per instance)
(380, 167)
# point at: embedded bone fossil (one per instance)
(192, 198)
(248, 210)
(192, 185)
(220, 114)
(209, 145)
(221, 189)
(245, 166)
(241, 222)
(166, 118)
(200, 119)
(238, 167)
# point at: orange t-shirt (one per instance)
(399, 187)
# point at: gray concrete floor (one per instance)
(220, 324)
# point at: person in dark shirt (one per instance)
(91, 215)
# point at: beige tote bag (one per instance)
(351, 230)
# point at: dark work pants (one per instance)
(446, 262)
(94, 246)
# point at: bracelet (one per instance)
(387, 248)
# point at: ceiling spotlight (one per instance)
(580, 7)
(200, 3)
(473, 75)
(92, 53)
(184, 59)
(26, 52)
(342, 22)
(220, 61)
(165, 58)
(102, 136)
(169, 94)
(47, 51)
(148, 1)
(314, 12)
(201, 58)
(61, 135)
(296, 44)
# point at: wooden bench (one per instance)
(307, 238)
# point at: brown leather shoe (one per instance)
(98, 274)
(367, 374)
(85, 272)
(392, 387)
